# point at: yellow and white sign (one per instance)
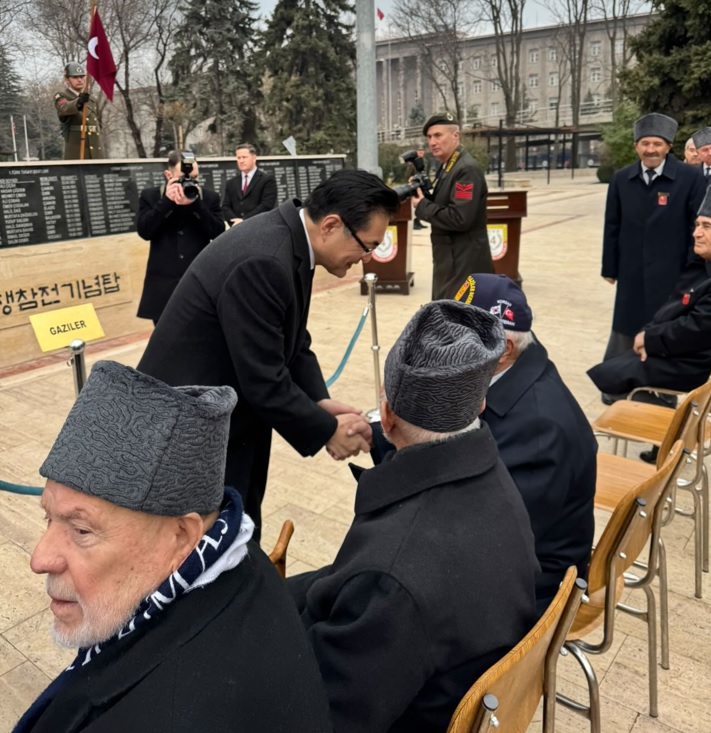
(387, 249)
(498, 240)
(57, 329)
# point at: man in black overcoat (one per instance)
(178, 227)
(456, 209)
(673, 350)
(239, 317)
(251, 191)
(434, 581)
(180, 622)
(649, 217)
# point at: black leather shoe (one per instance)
(650, 456)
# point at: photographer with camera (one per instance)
(179, 219)
(456, 209)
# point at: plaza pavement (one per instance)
(560, 256)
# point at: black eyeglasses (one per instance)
(367, 250)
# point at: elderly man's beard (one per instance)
(102, 618)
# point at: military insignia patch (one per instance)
(464, 191)
(469, 287)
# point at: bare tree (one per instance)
(440, 29)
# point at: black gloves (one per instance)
(82, 100)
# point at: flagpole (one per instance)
(87, 80)
(27, 144)
(14, 141)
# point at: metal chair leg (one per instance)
(664, 603)
(592, 712)
(652, 649)
(705, 514)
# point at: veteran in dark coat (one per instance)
(434, 581)
(181, 622)
(69, 104)
(648, 224)
(456, 209)
(239, 317)
(673, 350)
(178, 228)
(251, 191)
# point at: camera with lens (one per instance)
(419, 180)
(190, 186)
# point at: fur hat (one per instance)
(655, 125)
(438, 371)
(705, 208)
(702, 137)
(140, 444)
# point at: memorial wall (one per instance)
(67, 236)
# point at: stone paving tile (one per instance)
(560, 262)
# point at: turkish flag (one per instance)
(99, 61)
(380, 13)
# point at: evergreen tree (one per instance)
(309, 57)
(673, 70)
(213, 69)
(11, 104)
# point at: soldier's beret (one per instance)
(441, 118)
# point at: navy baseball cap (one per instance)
(500, 296)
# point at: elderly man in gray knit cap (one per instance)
(702, 142)
(435, 579)
(649, 217)
(181, 622)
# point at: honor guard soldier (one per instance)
(70, 104)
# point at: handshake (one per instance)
(353, 434)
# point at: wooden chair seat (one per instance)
(616, 476)
(636, 421)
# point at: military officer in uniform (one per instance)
(70, 104)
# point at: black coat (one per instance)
(261, 196)
(177, 235)
(433, 584)
(457, 212)
(677, 342)
(547, 444)
(647, 240)
(238, 317)
(231, 656)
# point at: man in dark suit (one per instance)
(178, 227)
(673, 350)
(543, 436)
(239, 317)
(251, 192)
(434, 581)
(649, 217)
(456, 209)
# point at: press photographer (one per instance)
(179, 219)
(456, 209)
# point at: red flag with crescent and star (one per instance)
(99, 60)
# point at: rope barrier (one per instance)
(351, 344)
(18, 489)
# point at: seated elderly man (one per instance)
(674, 350)
(435, 579)
(543, 436)
(181, 623)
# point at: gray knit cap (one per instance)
(655, 125)
(702, 137)
(140, 444)
(438, 371)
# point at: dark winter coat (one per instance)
(231, 656)
(238, 317)
(177, 234)
(457, 212)
(433, 584)
(547, 444)
(647, 240)
(677, 342)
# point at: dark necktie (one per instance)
(245, 184)
(707, 174)
(650, 173)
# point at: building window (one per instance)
(596, 74)
(553, 103)
(596, 100)
(552, 54)
(493, 62)
(476, 87)
(494, 109)
(552, 80)
(533, 56)
(620, 46)
(595, 48)
(533, 80)
(476, 63)
(532, 105)
(460, 89)
(495, 86)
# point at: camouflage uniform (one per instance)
(71, 117)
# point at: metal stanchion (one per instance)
(78, 364)
(370, 279)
